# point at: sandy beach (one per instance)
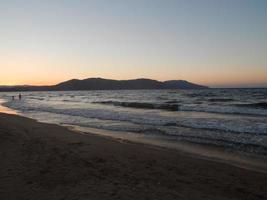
(45, 161)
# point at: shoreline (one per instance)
(215, 154)
(4, 109)
(195, 151)
(52, 162)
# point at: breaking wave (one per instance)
(169, 107)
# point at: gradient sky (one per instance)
(212, 42)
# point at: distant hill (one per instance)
(181, 84)
(135, 84)
(108, 84)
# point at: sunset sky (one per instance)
(212, 42)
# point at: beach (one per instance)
(46, 161)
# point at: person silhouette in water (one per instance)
(19, 96)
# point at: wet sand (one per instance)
(7, 110)
(44, 161)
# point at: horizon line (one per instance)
(215, 86)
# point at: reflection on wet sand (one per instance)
(6, 110)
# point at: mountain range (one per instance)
(108, 84)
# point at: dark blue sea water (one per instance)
(234, 119)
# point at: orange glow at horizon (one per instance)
(25, 69)
(203, 79)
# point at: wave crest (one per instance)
(143, 105)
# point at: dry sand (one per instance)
(44, 161)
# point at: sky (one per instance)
(219, 43)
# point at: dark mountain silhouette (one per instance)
(108, 84)
(181, 84)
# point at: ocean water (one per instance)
(232, 119)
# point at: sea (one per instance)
(232, 121)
